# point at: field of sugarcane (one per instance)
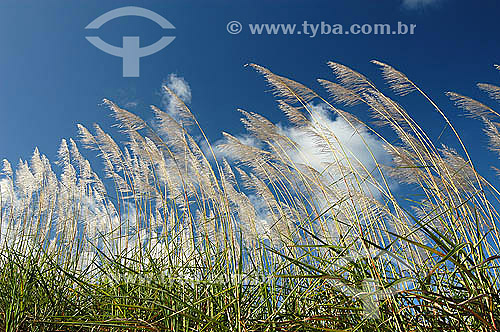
(172, 233)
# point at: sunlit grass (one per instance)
(308, 227)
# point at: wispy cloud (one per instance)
(415, 4)
(180, 87)
(131, 104)
(350, 147)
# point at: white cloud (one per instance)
(180, 87)
(348, 145)
(414, 4)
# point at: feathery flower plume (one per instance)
(341, 94)
(492, 90)
(179, 107)
(396, 80)
(473, 107)
(293, 114)
(351, 79)
(125, 119)
(7, 168)
(291, 91)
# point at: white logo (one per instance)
(130, 51)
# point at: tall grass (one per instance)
(180, 235)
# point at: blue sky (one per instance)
(51, 77)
